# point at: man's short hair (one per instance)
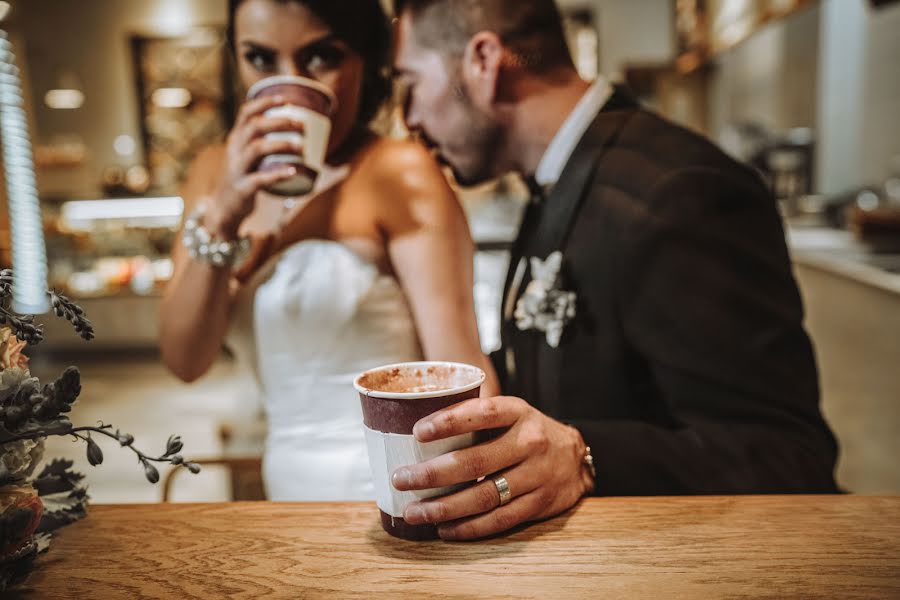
(531, 29)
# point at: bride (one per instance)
(374, 266)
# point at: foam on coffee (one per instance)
(415, 379)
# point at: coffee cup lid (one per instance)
(296, 80)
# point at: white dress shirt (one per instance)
(566, 139)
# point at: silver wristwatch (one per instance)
(204, 247)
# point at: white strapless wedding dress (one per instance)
(313, 319)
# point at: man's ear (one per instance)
(481, 65)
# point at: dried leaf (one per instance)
(43, 542)
(57, 477)
(63, 508)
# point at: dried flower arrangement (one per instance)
(33, 506)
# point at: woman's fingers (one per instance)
(256, 107)
(260, 126)
(262, 147)
(249, 185)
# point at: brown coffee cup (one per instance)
(310, 103)
(393, 399)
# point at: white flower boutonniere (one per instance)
(544, 306)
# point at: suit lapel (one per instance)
(547, 234)
(554, 217)
(561, 206)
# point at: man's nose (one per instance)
(411, 113)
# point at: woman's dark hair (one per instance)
(362, 25)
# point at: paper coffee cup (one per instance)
(393, 399)
(310, 103)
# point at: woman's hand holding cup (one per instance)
(246, 146)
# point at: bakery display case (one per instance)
(112, 255)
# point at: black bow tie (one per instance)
(536, 193)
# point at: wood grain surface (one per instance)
(712, 547)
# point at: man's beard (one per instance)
(480, 145)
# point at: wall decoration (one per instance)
(185, 88)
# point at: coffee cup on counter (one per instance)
(310, 103)
(393, 399)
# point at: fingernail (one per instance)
(401, 479)
(279, 99)
(423, 430)
(414, 515)
(447, 533)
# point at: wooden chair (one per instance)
(242, 445)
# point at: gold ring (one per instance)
(502, 486)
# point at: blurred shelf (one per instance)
(122, 323)
(724, 24)
(841, 254)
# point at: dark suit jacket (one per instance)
(686, 368)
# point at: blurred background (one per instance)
(121, 94)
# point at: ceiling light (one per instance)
(171, 97)
(124, 145)
(83, 215)
(64, 99)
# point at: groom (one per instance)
(652, 337)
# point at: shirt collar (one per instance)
(566, 139)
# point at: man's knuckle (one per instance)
(446, 421)
(429, 475)
(476, 465)
(487, 496)
(544, 497)
(520, 403)
(465, 531)
(436, 512)
(505, 520)
(533, 440)
(489, 408)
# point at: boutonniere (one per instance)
(544, 306)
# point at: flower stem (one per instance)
(104, 431)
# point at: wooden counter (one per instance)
(713, 547)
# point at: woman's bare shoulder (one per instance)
(404, 173)
(408, 188)
(400, 163)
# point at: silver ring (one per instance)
(502, 486)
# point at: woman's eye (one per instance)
(261, 61)
(324, 58)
